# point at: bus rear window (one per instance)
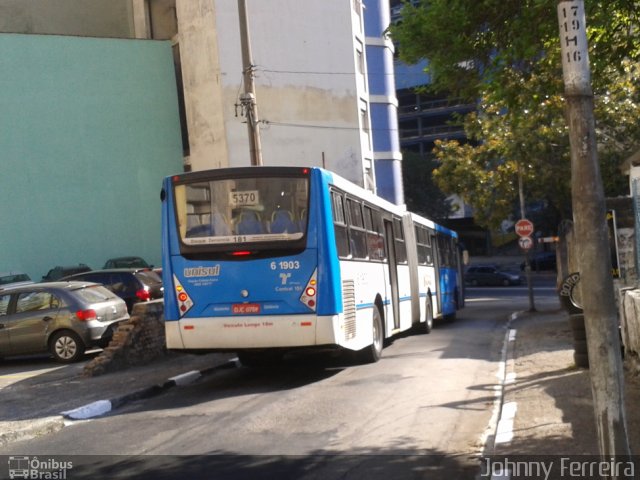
(242, 210)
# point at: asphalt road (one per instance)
(424, 410)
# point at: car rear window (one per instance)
(149, 277)
(95, 294)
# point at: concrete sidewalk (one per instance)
(34, 406)
(547, 402)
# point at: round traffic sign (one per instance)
(525, 243)
(524, 227)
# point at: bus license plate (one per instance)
(245, 308)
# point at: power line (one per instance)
(325, 127)
(310, 72)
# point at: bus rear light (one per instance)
(184, 301)
(241, 253)
(308, 296)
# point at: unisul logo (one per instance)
(35, 468)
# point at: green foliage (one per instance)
(505, 55)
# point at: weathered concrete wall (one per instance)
(308, 86)
(202, 80)
(82, 18)
(630, 327)
(135, 342)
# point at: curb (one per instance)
(102, 407)
(501, 423)
(29, 429)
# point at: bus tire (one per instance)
(426, 326)
(373, 352)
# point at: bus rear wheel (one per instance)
(373, 352)
(427, 325)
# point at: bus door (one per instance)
(437, 263)
(393, 271)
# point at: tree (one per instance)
(505, 55)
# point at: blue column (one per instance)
(383, 102)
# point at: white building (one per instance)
(311, 82)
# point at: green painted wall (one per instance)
(88, 128)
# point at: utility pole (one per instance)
(592, 238)
(527, 262)
(248, 98)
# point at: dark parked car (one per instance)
(56, 273)
(490, 275)
(542, 261)
(63, 318)
(14, 279)
(133, 285)
(126, 262)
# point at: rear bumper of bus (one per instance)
(252, 332)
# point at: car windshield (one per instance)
(232, 211)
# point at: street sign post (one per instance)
(524, 227)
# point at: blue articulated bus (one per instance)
(263, 260)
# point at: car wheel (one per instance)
(474, 283)
(66, 347)
(373, 352)
(506, 283)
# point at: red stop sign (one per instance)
(524, 227)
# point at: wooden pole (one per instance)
(592, 238)
(248, 98)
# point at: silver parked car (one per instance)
(62, 318)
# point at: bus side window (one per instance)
(375, 239)
(340, 225)
(357, 233)
(401, 249)
(425, 256)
